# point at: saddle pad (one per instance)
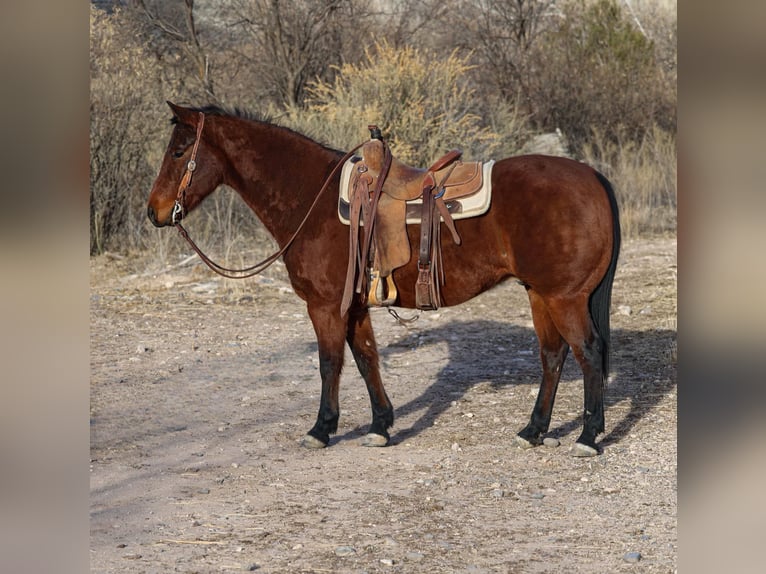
(463, 208)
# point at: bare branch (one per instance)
(158, 22)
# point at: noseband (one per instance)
(178, 208)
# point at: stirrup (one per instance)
(381, 295)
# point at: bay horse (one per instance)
(552, 225)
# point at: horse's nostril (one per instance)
(152, 216)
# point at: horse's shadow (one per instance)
(499, 354)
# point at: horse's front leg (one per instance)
(361, 339)
(330, 329)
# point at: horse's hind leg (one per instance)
(573, 320)
(553, 353)
(330, 329)
(361, 339)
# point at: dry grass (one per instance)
(644, 176)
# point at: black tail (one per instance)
(601, 298)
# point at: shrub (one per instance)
(597, 69)
(124, 126)
(425, 105)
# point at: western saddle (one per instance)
(382, 194)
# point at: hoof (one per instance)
(524, 444)
(581, 450)
(372, 439)
(311, 442)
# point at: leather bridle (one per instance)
(178, 208)
(179, 211)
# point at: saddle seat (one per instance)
(406, 183)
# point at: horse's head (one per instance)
(190, 170)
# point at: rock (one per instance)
(625, 310)
(551, 143)
(345, 551)
(387, 561)
(551, 442)
(414, 556)
(497, 493)
(632, 557)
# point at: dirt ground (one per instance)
(202, 388)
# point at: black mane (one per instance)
(216, 110)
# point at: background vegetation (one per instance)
(595, 79)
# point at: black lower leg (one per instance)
(361, 339)
(594, 380)
(329, 411)
(540, 420)
(382, 410)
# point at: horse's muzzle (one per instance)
(152, 215)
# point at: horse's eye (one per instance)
(178, 154)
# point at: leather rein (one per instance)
(179, 211)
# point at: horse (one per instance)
(552, 225)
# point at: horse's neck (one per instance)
(278, 173)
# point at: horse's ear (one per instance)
(183, 115)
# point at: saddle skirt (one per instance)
(472, 205)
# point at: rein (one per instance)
(179, 212)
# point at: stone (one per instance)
(345, 551)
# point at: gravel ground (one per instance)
(202, 388)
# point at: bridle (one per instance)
(178, 208)
(179, 211)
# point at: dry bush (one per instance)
(283, 46)
(424, 104)
(501, 36)
(644, 176)
(124, 82)
(598, 70)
